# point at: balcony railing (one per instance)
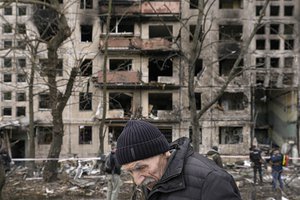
(119, 77)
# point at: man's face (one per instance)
(149, 171)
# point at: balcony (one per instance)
(119, 77)
(160, 7)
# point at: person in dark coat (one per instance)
(256, 162)
(276, 163)
(170, 171)
(214, 155)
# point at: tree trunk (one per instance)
(2, 177)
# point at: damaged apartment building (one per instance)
(146, 75)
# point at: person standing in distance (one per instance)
(170, 171)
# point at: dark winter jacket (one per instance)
(215, 156)
(116, 168)
(190, 175)
(276, 161)
(255, 157)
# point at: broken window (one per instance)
(231, 4)
(21, 111)
(44, 134)
(7, 62)
(160, 67)
(198, 67)
(85, 135)
(21, 29)
(261, 30)
(261, 136)
(21, 78)
(194, 4)
(260, 78)
(7, 44)
(167, 132)
(274, 44)
(121, 101)
(191, 135)
(44, 101)
(159, 101)
(288, 79)
(6, 111)
(6, 96)
(7, 10)
(274, 62)
(86, 67)
(230, 135)
(114, 132)
(288, 29)
(162, 31)
(289, 44)
(260, 62)
(274, 10)
(261, 44)
(226, 65)
(288, 62)
(230, 32)
(7, 78)
(258, 10)
(274, 29)
(21, 62)
(21, 10)
(7, 28)
(288, 10)
(85, 101)
(21, 96)
(86, 33)
(86, 4)
(21, 45)
(120, 26)
(120, 64)
(233, 101)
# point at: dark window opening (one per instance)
(165, 32)
(261, 30)
(192, 31)
(233, 101)
(21, 29)
(258, 9)
(85, 135)
(159, 101)
(44, 101)
(160, 67)
(44, 134)
(121, 101)
(114, 132)
(288, 62)
(191, 135)
(288, 44)
(7, 44)
(288, 79)
(59, 68)
(231, 32)
(21, 96)
(86, 67)
(86, 33)
(274, 10)
(7, 78)
(167, 132)
(274, 44)
(7, 96)
(194, 4)
(21, 62)
(7, 111)
(85, 101)
(198, 67)
(21, 10)
(122, 26)
(260, 78)
(231, 4)
(21, 45)
(288, 10)
(7, 62)
(260, 62)
(198, 100)
(273, 79)
(260, 44)
(8, 10)
(226, 65)
(7, 28)
(261, 136)
(21, 111)
(21, 78)
(120, 64)
(274, 29)
(288, 29)
(230, 135)
(86, 4)
(274, 62)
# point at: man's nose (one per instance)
(138, 178)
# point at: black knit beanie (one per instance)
(140, 140)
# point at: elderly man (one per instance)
(170, 171)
